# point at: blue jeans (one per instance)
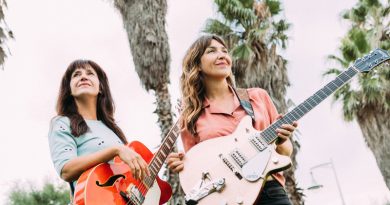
(273, 194)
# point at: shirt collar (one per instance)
(213, 109)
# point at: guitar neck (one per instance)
(162, 153)
(269, 134)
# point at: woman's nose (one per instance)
(221, 55)
(84, 77)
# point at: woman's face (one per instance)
(84, 82)
(215, 61)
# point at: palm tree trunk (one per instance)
(144, 22)
(165, 122)
(375, 126)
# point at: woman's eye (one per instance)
(210, 51)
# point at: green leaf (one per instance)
(274, 6)
(217, 27)
(359, 39)
(247, 3)
(242, 51)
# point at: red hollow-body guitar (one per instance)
(113, 184)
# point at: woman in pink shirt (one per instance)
(212, 109)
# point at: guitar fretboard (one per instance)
(162, 153)
(270, 135)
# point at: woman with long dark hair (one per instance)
(211, 108)
(84, 132)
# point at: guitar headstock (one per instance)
(371, 60)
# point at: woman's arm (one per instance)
(72, 169)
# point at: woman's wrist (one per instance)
(118, 149)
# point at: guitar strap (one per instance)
(243, 97)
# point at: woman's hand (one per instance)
(175, 161)
(283, 143)
(138, 166)
(285, 131)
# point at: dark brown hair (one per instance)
(66, 105)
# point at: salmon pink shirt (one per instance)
(217, 122)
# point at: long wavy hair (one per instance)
(66, 105)
(192, 82)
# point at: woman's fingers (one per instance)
(283, 132)
(137, 165)
(137, 173)
(179, 168)
(132, 168)
(175, 162)
(289, 127)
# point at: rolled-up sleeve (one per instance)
(62, 144)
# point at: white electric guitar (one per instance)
(232, 169)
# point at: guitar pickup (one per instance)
(258, 143)
(230, 166)
(238, 157)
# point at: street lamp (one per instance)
(315, 185)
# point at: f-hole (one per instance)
(111, 180)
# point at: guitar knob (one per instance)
(275, 160)
(239, 200)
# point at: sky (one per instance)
(50, 34)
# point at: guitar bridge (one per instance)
(203, 189)
(132, 196)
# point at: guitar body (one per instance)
(88, 192)
(205, 157)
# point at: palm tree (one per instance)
(368, 99)
(5, 33)
(253, 35)
(144, 22)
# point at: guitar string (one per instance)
(150, 180)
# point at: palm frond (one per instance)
(339, 60)
(274, 6)
(346, 14)
(358, 15)
(5, 33)
(386, 11)
(279, 36)
(359, 38)
(258, 34)
(233, 10)
(349, 50)
(371, 3)
(372, 88)
(332, 71)
(351, 105)
(242, 51)
(247, 3)
(217, 27)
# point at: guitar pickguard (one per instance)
(253, 169)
